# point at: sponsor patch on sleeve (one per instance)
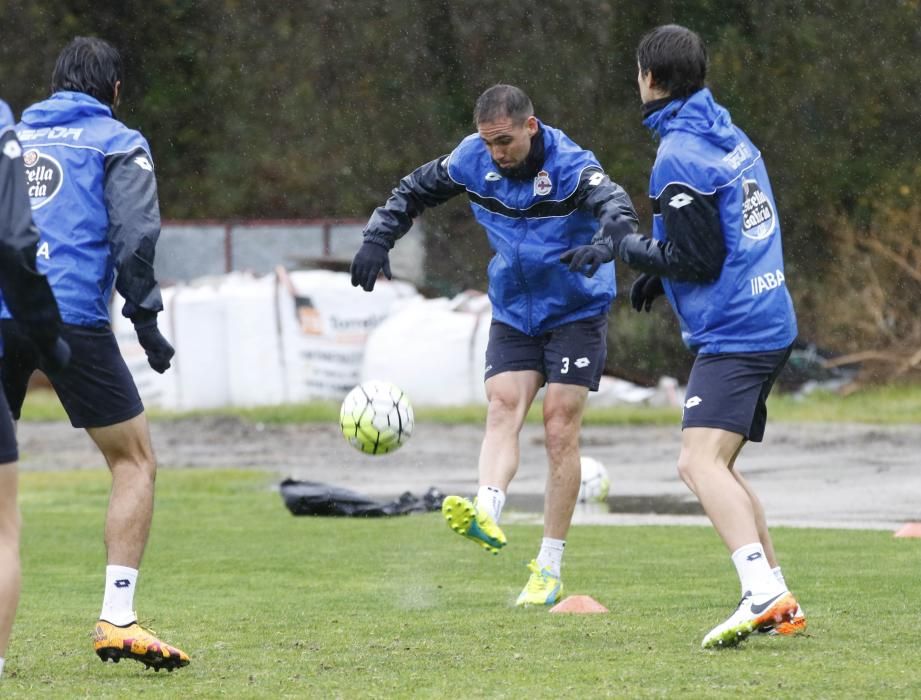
(12, 149)
(143, 163)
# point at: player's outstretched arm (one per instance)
(426, 186)
(610, 204)
(694, 249)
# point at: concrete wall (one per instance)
(191, 249)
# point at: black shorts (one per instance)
(96, 388)
(730, 391)
(573, 353)
(8, 451)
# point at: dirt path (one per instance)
(816, 475)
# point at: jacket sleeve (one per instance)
(694, 249)
(25, 291)
(427, 186)
(134, 227)
(610, 204)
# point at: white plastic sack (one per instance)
(325, 324)
(433, 349)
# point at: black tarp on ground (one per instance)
(315, 498)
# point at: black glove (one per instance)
(644, 291)
(54, 350)
(57, 357)
(159, 351)
(369, 261)
(591, 255)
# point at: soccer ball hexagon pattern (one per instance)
(376, 417)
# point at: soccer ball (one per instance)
(376, 417)
(595, 481)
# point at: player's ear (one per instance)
(531, 124)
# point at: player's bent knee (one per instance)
(505, 409)
(687, 469)
(135, 468)
(561, 437)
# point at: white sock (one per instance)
(550, 555)
(754, 571)
(118, 601)
(778, 574)
(491, 499)
(1, 666)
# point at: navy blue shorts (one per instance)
(730, 391)
(96, 388)
(8, 451)
(573, 353)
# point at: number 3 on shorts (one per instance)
(565, 366)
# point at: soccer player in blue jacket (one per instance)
(538, 195)
(93, 193)
(716, 253)
(29, 296)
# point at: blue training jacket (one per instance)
(747, 308)
(93, 194)
(530, 223)
(530, 220)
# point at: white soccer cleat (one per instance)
(755, 612)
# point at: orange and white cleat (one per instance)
(787, 628)
(134, 642)
(755, 613)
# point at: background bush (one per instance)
(316, 109)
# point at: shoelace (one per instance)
(538, 579)
(145, 627)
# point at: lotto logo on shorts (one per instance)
(693, 401)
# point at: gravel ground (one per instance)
(817, 475)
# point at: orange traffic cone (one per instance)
(579, 604)
(909, 530)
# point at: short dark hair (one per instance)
(88, 65)
(677, 58)
(501, 101)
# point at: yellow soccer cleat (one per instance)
(542, 588)
(134, 642)
(464, 518)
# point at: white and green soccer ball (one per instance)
(595, 481)
(376, 417)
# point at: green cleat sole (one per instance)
(729, 638)
(460, 514)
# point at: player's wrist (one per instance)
(143, 318)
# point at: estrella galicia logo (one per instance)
(758, 217)
(44, 177)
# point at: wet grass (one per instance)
(878, 405)
(270, 605)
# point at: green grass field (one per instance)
(270, 605)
